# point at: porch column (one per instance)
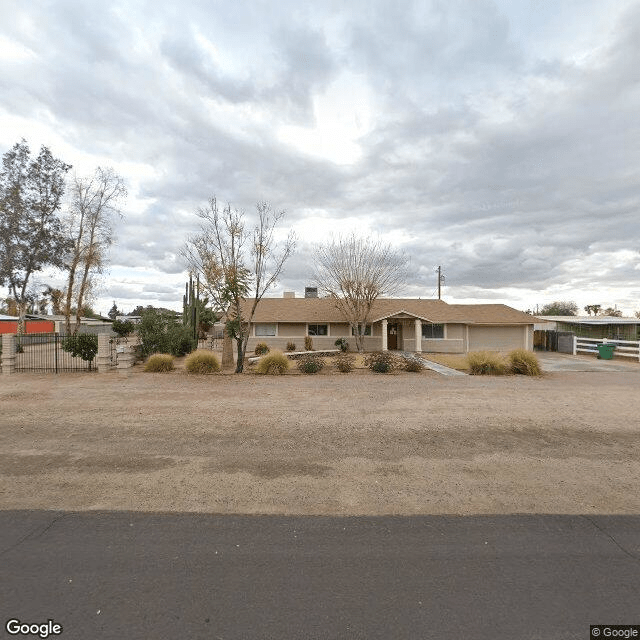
(384, 334)
(418, 335)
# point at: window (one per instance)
(318, 330)
(367, 330)
(265, 330)
(432, 330)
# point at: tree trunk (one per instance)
(227, 351)
(240, 362)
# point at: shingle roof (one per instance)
(315, 310)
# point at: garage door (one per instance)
(496, 338)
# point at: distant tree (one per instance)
(89, 225)
(355, 272)
(234, 281)
(31, 236)
(613, 312)
(637, 314)
(559, 308)
(55, 297)
(114, 311)
(593, 308)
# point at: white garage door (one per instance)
(496, 338)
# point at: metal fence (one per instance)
(53, 353)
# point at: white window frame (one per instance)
(262, 325)
(433, 324)
(318, 324)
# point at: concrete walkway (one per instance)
(434, 366)
(551, 361)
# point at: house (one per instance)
(609, 327)
(431, 326)
(9, 324)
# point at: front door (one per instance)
(392, 336)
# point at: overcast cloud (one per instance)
(498, 139)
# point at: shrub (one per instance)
(308, 343)
(342, 344)
(202, 361)
(412, 364)
(160, 332)
(159, 363)
(123, 327)
(291, 346)
(310, 364)
(381, 361)
(81, 345)
(486, 363)
(274, 363)
(261, 348)
(344, 363)
(524, 362)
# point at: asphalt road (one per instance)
(133, 575)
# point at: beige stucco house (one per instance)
(430, 326)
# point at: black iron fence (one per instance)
(53, 353)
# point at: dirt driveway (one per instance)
(328, 444)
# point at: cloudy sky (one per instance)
(497, 138)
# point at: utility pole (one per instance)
(440, 281)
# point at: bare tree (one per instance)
(94, 202)
(31, 236)
(355, 272)
(236, 266)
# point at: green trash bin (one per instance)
(605, 351)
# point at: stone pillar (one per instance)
(418, 335)
(384, 334)
(8, 353)
(103, 357)
(125, 357)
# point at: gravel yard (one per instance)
(360, 443)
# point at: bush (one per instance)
(274, 363)
(486, 363)
(381, 361)
(524, 362)
(412, 364)
(202, 361)
(344, 363)
(160, 332)
(159, 363)
(181, 340)
(81, 345)
(310, 364)
(291, 346)
(308, 343)
(342, 344)
(261, 348)
(123, 327)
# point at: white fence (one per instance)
(627, 348)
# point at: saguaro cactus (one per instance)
(191, 307)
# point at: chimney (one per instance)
(311, 292)
(289, 294)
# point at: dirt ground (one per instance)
(355, 444)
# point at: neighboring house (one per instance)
(431, 326)
(87, 325)
(608, 327)
(9, 324)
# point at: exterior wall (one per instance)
(454, 331)
(500, 338)
(31, 326)
(430, 345)
(319, 342)
(340, 330)
(294, 330)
